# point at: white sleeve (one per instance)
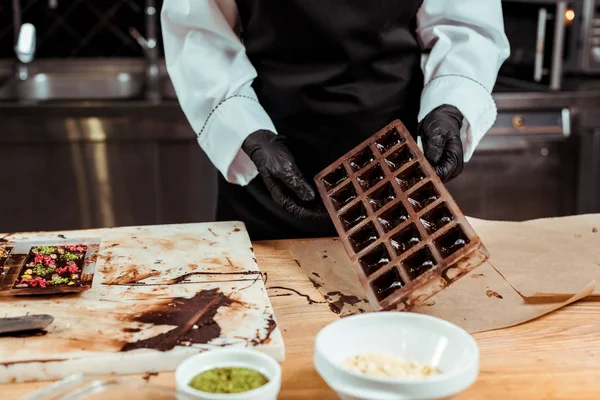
(468, 46)
(212, 77)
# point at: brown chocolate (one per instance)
(404, 233)
(193, 318)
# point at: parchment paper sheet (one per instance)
(545, 257)
(480, 301)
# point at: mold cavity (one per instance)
(393, 217)
(371, 177)
(362, 159)
(354, 216)
(410, 177)
(343, 196)
(335, 177)
(374, 260)
(405, 239)
(399, 158)
(389, 139)
(387, 284)
(424, 196)
(381, 196)
(363, 237)
(419, 263)
(436, 218)
(451, 241)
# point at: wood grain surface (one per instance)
(554, 357)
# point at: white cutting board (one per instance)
(141, 277)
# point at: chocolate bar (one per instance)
(49, 267)
(405, 235)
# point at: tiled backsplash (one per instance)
(78, 28)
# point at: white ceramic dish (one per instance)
(412, 336)
(230, 358)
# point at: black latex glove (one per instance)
(281, 175)
(440, 135)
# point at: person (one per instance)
(281, 89)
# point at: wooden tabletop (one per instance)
(553, 357)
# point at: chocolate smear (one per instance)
(184, 277)
(491, 293)
(271, 324)
(316, 284)
(193, 319)
(343, 299)
(131, 330)
(147, 376)
(307, 297)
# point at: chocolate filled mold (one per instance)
(371, 177)
(436, 218)
(374, 260)
(406, 239)
(335, 177)
(393, 217)
(363, 237)
(423, 196)
(343, 196)
(398, 158)
(361, 159)
(388, 140)
(410, 177)
(387, 283)
(380, 197)
(404, 234)
(451, 241)
(353, 216)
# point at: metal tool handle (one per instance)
(540, 42)
(558, 46)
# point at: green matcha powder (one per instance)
(228, 380)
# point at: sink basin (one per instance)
(73, 86)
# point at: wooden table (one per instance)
(554, 357)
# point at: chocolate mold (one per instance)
(406, 237)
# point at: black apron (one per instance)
(330, 74)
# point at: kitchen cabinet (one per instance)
(105, 166)
(187, 182)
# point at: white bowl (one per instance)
(230, 358)
(417, 337)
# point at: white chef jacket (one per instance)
(212, 75)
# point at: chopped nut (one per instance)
(387, 365)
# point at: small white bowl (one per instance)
(417, 337)
(230, 358)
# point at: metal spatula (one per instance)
(25, 323)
